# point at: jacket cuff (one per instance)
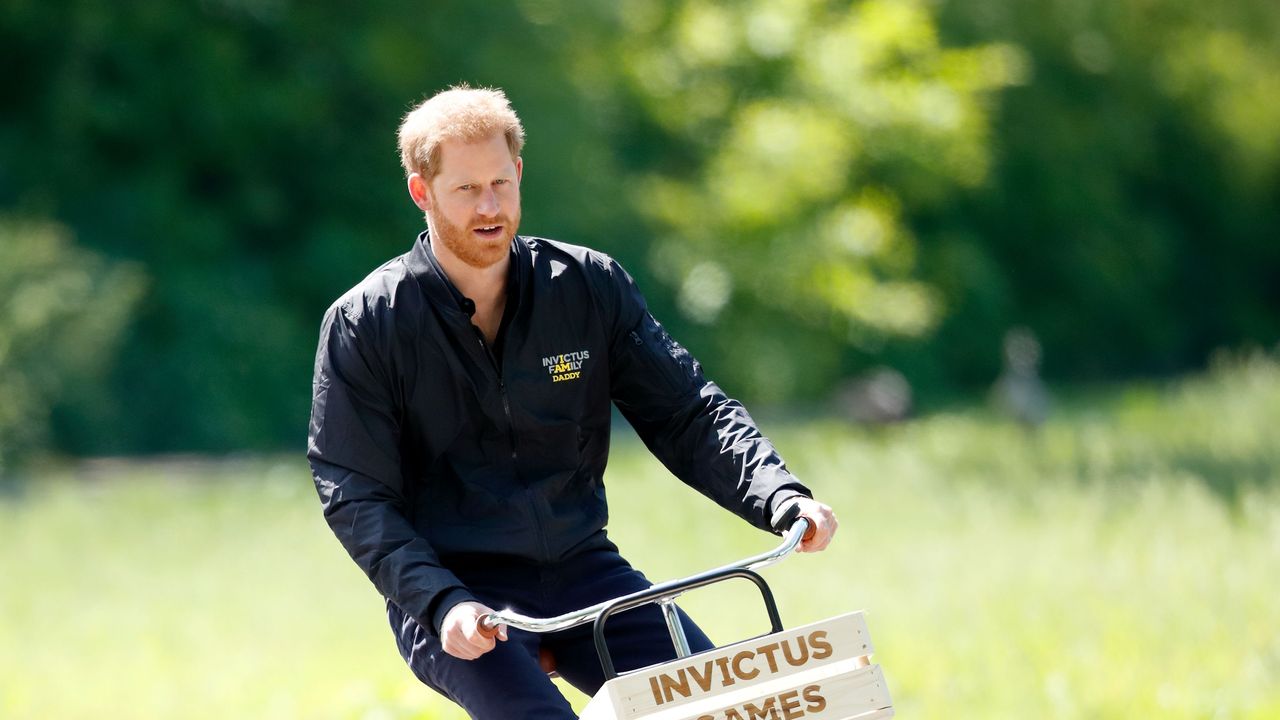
(443, 603)
(781, 496)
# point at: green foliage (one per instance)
(1091, 571)
(901, 182)
(1130, 217)
(802, 130)
(803, 188)
(244, 154)
(62, 312)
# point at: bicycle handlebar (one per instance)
(797, 531)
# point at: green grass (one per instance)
(1124, 562)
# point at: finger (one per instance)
(454, 644)
(824, 524)
(814, 532)
(828, 530)
(481, 644)
(467, 651)
(461, 652)
(466, 644)
(809, 532)
(482, 640)
(502, 633)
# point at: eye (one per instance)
(466, 187)
(501, 181)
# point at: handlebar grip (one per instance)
(487, 625)
(787, 519)
(808, 531)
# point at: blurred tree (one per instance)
(795, 135)
(819, 186)
(1132, 214)
(62, 313)
(243, 151)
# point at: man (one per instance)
(460, 427)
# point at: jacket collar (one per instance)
(442, 293)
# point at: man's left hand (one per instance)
(822, 520)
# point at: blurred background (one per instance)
(1002, 278)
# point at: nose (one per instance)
(488, 205)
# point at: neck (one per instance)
(483, 285)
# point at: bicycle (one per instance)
(820, 671)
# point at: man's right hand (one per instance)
(461, 635)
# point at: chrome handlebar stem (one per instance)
(790, 540)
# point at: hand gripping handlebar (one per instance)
(664, 594)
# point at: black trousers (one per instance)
(507, 682)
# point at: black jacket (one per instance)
(426, 445)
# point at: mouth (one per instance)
(488, 231)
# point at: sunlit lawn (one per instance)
(1124, 562)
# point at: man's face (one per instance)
(473, 203)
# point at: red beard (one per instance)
(470, 247)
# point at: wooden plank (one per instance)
(858, 694)
(843, 691)
(734, 667)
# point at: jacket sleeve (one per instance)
(354, 450)
(701, 435)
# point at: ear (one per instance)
(519, 169)
(419, 192)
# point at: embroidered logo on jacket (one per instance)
(566, 366)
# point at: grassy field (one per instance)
(1123, 562)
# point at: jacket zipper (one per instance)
(511, 430)
(502, 391)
